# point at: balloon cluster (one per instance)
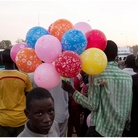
(62, 50)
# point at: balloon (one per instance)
(59, 27)
(88, 120)
(83, 26)
(49, 27)
(97, 39)
(94, 61)
(74, 40)
(46, 76)
(48, 48)
(68, 64)
(16, 48)
(27, 60)
(33, 34)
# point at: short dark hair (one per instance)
(130, 61)
(111, 50)
(5, 57)
(37, 94)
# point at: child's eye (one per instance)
(51, 111)
(39, 114)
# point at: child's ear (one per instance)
(26, 111)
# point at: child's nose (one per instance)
(46, 118)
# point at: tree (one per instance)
(5, 44)
(20, 40)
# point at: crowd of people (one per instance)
(27, 110)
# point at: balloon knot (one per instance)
(102, 83)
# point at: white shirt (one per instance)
(130, 71)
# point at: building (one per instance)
(123, 52)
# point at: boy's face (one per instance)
(41, 115)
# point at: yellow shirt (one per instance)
(13, 85)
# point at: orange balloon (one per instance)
(59, 27)
(27, 60)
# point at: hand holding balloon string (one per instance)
(68, 87)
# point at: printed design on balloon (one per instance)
(68, 64)
(93, 60)
(33, 34)
(59, 27)
(99, 59)
(27, 60)
(74, 40)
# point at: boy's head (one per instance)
(111, 50)
(40, 110)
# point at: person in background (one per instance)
(109, 98)
(14, 85)
(1, 64)
(75, 109)
(86, 111)
(40, 113)
(31, 76)
(61, 100)
(136, 64)
(130, 64)
(120, 62)
(134, 112)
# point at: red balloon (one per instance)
(68, 64)
(97, 39)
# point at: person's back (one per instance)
(115, 96)
(13, 85)
(115, 101)
(134, 112)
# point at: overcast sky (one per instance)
(118, 19)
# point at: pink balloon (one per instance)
(46, 76)
(48, 48)
(88, 120)
(16, 48)
(83, 26)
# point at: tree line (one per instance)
(7, 44)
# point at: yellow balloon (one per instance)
(94, 61)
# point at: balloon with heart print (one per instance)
(74, 40)
(27, 60)
(94, 61)
(68, 64)
(59, 27)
